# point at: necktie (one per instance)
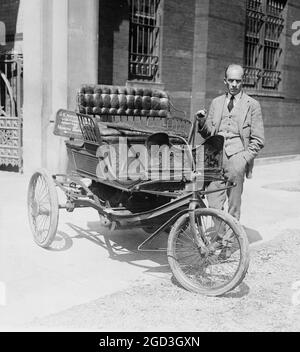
(230, 104)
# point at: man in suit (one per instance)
(238, 118)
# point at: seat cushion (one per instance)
(114, 100)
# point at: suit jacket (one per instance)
(250, 124)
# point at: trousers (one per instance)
(235, 168)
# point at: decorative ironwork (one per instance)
(264, 25)
(143, 65)
(11, 68)
(144, 40)
(270, 79)
(9, 141)
(252, 76)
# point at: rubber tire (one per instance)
(54, 207)
(243, 264)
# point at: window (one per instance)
(144, 44)
(264, 25)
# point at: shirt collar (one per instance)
(236, 97)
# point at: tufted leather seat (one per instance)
(105, 113)
(135, 113)
(114, 100)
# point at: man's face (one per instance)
(234, 80)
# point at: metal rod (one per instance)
(158, 231)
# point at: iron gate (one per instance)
(11, 100)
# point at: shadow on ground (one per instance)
(122, 245)
(252, 235)
(240, 291)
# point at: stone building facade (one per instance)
(180, 46)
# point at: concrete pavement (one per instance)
(35, 282)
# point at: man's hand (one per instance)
(201, 117)
(201, 113)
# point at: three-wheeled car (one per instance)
(135, 161)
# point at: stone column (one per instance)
(33, 86)
(60, 53)
(200, 55)
(82, 45)
(74, 62)
(200, 59)
(56, 155)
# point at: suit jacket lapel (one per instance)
(243, 107)
(219, 112)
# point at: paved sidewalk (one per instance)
(78, 269)
(271, 199)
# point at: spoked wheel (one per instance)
(42, 205)
(218, 266)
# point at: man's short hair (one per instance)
(233, 65)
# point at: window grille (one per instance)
(144, 40)
(264, 25)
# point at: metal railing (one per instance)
(11, 100)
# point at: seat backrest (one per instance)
(115, 100)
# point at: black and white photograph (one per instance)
(149, 168)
